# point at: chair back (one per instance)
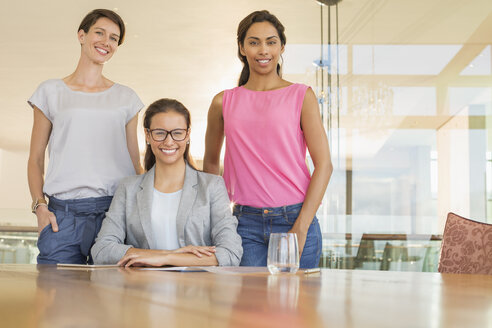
(365, 253)
(466, 246)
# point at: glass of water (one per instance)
(283, 253)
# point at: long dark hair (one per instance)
(166, 105)
(242, 29)
(92, 17)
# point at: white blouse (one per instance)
(88, 152)
(163, 219)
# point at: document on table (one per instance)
(236, 269)
(212, 269)
(175, 269)
(85, 266)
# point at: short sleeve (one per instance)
(135, 107)
(40, 99)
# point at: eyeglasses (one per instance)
(161, 134)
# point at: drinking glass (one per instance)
(283, 253)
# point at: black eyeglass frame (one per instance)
(151, 132)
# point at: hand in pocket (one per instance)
(46, 217)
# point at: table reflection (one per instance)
(45, 296)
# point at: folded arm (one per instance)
(185, 256)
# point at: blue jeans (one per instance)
(79, 221)
(256, 225)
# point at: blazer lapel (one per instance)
(144, 203)
(186, 203)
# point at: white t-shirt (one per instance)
(163, 219)
(88, 152)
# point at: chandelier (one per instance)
(369, 102)
(372, 100)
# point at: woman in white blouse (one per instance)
(89, 123)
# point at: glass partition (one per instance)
(408, 112)
(18, 245)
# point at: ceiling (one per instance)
(186, 50)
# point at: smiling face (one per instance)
(168, 151)
(101, 41)
(262, 48)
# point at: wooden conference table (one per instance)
(44, 296)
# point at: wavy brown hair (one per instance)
(242, 29)
(166, 105)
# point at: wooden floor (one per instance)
(44, 296)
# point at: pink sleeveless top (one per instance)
(265, 156)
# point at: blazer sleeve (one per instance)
(224, 227)
(110, 242)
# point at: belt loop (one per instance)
(241, 209)
(66, 207)
(285, 209)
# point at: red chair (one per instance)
(466, 246)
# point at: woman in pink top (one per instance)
(268, 122)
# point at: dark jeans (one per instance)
(256, 225)
(79, 221)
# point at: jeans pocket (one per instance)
(241, 229)
(45, 240)
(291, 217)
(313, 246)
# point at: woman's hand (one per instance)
(196, 250)
(301, 237)
(155, 259)
(46, 217)
(138, 252)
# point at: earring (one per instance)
(188, 142)
(148, 143)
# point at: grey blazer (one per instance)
(204, 218)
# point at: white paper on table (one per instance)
(234, 270)
(175, 269)
(85, 266)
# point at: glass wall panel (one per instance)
(409, 120)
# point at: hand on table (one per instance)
(138, 259)
(154, 257)
(197, 250)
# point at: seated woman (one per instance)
(173, 214)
